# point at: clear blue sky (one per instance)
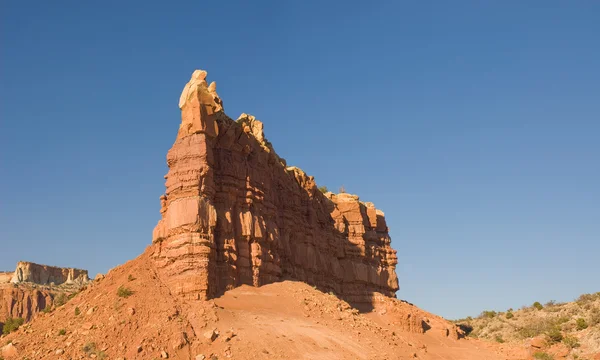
(474, 125)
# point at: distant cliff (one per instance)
(44, 274)
(32, 287)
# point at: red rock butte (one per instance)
(234, 213)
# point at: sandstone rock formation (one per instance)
(33, 287)
(44, 274)
(234, 213)
(23, 302)
(5, 276)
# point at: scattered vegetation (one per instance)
(12, 324)
(537, 305)
(130, 278)
(488, 314)
(554, 335)
(60, 300)
(342, 189)
(499, 339)
(77, 311)
(323, 189)
(571, 341)
(509, 315)
(542, 356)
(124, 292)
(47, 309)
(587, 298)
(581, 324)
(62, 332)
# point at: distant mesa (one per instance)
(32, 288)
(28, 272)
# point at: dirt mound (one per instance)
(131, 314)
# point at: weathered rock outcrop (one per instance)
(234, 213)
(5, 277)
(23, 302)
(44, 274)
(32, 287)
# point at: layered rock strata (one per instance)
(23, 302)
(44, 274)
(234, 213)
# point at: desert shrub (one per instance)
(542, 356)
(535, 328)
(554, 335)
(60, 300)
(571, 341)
(499, 339)
(62, 332)
(124, 292)
(71, 296)
(47, 309)
(342, 189)
(585, 298)
(130, 278)
(581, 324)
(509, 315)
(89, 348)
(595, 317)
(488, 314)
(77, 311)
(550, 303)
(537, 305)
(323, 189)
(11, 324)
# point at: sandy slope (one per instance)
(287, 320)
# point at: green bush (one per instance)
(12, 324)
(124, 292)
(77, 311)
(537, 305)
(571, 341)
(509, 315)
(47, 309)
(542, 356)
(60, 300)
(581, 324)
(488, 314)
(62, 332)
(499, 339)
(554, 335)
(323, 189)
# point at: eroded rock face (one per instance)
(23, 302)
(44, 274)
(234, 213)
(5, 277)
(33, 287)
